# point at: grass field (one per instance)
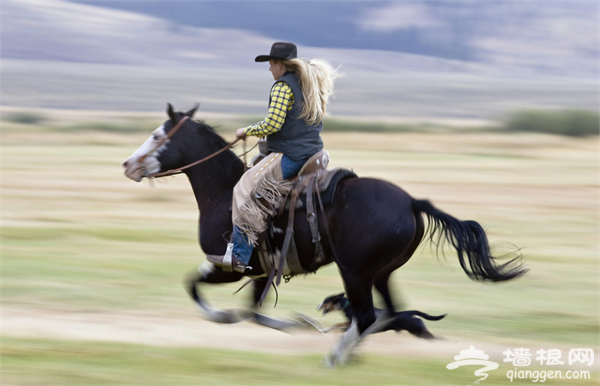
(92, 264)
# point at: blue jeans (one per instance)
(242, 249)
(290, 167)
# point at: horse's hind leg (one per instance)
(382, 280)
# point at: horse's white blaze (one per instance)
(133, 168)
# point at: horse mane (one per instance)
(212, 134)
(228, 161)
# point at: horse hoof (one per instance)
(332, 361)
(328, 362)
(228, 318)
(336, 360)
(219, 316)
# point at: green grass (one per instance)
(575, 123)
(332, 125)
(78, 237)
(25, 117)
(44, 362)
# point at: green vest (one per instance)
(296, 139)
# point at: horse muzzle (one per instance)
(133, 170)
(137, 168)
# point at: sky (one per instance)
(417, 58)
(446, 29)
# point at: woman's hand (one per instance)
(240, 133)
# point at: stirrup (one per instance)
(228, 262)
(239, 267)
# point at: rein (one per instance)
(164, 139)
(179, 170)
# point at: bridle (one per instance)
(181, 169)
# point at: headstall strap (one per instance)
(164, 139)
(179, 170)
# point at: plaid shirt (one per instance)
(282, 99)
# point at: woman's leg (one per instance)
(290, 167)
(254, 197)
(242, 247)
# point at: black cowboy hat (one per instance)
(279, 51)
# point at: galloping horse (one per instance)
(376, 226)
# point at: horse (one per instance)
(375, 226)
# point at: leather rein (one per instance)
(181, 169)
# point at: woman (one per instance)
(292, 129)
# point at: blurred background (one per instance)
(401, 59)
(489, 109)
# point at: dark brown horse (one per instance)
(375, 226)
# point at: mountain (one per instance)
(63, 31)
(325, 24)
(416, 59)
(547, 37)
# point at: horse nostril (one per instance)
(125, 164)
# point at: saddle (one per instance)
(315, 177)
(314, 183)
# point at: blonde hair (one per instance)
(316, 78)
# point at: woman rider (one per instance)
(292, 129)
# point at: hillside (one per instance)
(59, 54)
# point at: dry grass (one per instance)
(80, 239)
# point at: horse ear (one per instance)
(171, 113)
(193, 110)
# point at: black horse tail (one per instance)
(471, 244)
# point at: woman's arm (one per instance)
(282, 99)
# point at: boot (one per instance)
(228, 262)
(238, 266)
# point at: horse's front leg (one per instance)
(358, 289)
(382, 285)
(208, 273)
(300, 321)
(359, 292)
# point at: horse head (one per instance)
(151, 157)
